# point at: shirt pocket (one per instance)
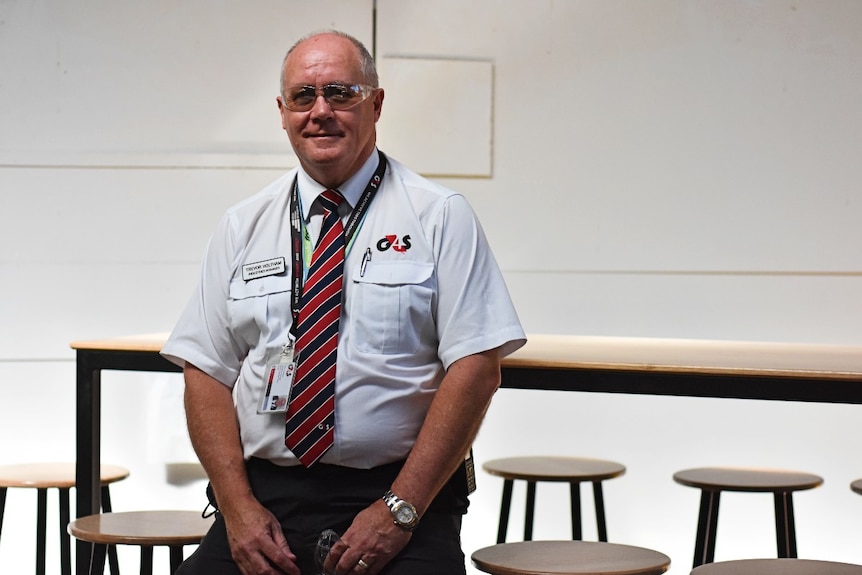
(391, 305)
(259, 309)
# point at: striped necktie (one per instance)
(310, 426)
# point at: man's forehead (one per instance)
(322, 55)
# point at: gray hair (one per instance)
(367, 67)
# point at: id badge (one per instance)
(275, 395)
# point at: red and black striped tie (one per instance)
(310, 427)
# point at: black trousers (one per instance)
(307, 501)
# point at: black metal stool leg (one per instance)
(146, 560)
(785, 527)
(530, 511)
(599, 499)
(65, 538)
(176, 557)
(2, 506)
(41, 529)
(791, 527)
(575, 495)
(97, 559)
(113, 561)
(707, 528)
(504, 511)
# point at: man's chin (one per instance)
(323, 153)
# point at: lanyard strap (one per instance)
(297, 233)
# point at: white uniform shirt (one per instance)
(430, 294)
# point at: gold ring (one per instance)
(362, 564)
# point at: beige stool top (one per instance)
(569, 558)
(142, 528)
(553, 468)
(857, 486)
(742, 479)
(778, 567)
(53, 475)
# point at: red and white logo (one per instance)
(392, 241)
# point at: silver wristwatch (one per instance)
(404, 514)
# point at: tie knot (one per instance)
(330, 200)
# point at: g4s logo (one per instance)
(392, 241)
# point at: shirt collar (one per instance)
(352, 189)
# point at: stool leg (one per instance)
(707, 527)
(41, 528)
(530, 512)
(599, 499)
(2, 506)
(112, 549)
(504, 511)
(575, 491)
(176, 557)
(65, 538)
(146, 560)
(97, 559)
(785, 525)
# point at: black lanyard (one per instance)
(353, 223)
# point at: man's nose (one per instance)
(321, 107)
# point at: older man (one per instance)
(342, 347)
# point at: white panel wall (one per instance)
(126, 129)
(667, 168)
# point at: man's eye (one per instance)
(304, 96)
(338, 92)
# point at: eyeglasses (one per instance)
(338, 96)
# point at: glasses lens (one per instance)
(338, 96)
(341, 96)
(300, 98)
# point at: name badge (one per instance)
(262, 269)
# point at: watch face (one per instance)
(404, 514)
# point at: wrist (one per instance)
(404, 513)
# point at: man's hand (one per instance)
(257, 543)
(372, 537)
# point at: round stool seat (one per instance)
(554, 468)
(750, 480)
(713, 480)
(53, 475)
(571, 470)
(60, 476)
(142, 528)
(857, 486)
(778, 567)
(173, 529)
(569, 558)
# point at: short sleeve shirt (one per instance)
(429, 294)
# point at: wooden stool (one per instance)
(857, 486)
(569, 558)
(713, 480)
(146, 529)
(60, 476)
(778, 567)
(571, 470)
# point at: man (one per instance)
(423, 320)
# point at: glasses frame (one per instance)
(364, 90)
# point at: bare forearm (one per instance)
(450, 428)
(214, 433)
(254, 534)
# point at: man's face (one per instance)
(330, 144)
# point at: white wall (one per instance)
(697, 158)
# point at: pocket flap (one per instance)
(241, 289)
(394, 273)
